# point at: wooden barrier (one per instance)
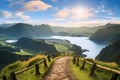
(48, 58)
(77, 64)
(4, 77)
(115, 73)
(92, 69)
(83, 65)
(13, 76)
(37, 71)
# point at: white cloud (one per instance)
(36, 5)
(5, 14)
(74, 13)
(54, 0)
(102, 9)
(63, 13)
(21, 16)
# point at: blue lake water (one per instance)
(84, 42)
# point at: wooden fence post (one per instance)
(48, 58)
(4, 77)
(45, 63)
(77, 61)
(83, 65)
(13, 76)
(59, 54)
(53, 55)
(74, 60)
(92, 69)
(114, 76)
(37, 72)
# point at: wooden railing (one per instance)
(94, 65)
(37, 71)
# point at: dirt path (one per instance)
(60, 70)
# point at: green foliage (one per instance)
(82, 31)
(110, 33)
(22, 52)
(61, 48)
(26, 30)
(35, 45)
(29, 74)
(110, 53)
(100, 74)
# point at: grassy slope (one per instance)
(29, 74)
(99, 73)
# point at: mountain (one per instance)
(111, 53)
(8, 58)
(6, 25)
(35, 45)
(80, 31)
(109, 33)
(26, 30)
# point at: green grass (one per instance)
(29, 74)
(60, 47)
(79, 74)
(22, 52)
(84, 74)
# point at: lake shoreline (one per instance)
(84, 42)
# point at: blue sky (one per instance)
(68, 13)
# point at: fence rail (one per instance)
(13, 74)
(94, 65)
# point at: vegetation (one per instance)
(35, 46)
(110, 53)
(65, 46)
(29, 74)
(100, 74)
(82, 31)
(8, 58)
(26, 30)
(110, 33)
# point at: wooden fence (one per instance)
(94, 65)
(37, 71)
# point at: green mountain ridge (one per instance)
(7, 58)
(35, 45)
(110, 53)
(109, 33)
(79, 31)
(27, 30)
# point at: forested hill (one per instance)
(110, 53)
(26, 30)
(35, 45)
(110, 33)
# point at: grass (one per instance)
(60, 47)
(29, 74)
(99, 73)
(22, 52)
(79, 74)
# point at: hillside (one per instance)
(109, 33)
(6, 25)
(65, 46)
(35, 45)
(8, 58)
(26, 30)
(111, 53)
(80, 31)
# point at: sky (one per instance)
(66, 13)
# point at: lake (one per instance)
(84, 42)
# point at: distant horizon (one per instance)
(68, 13)
(59, 26)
